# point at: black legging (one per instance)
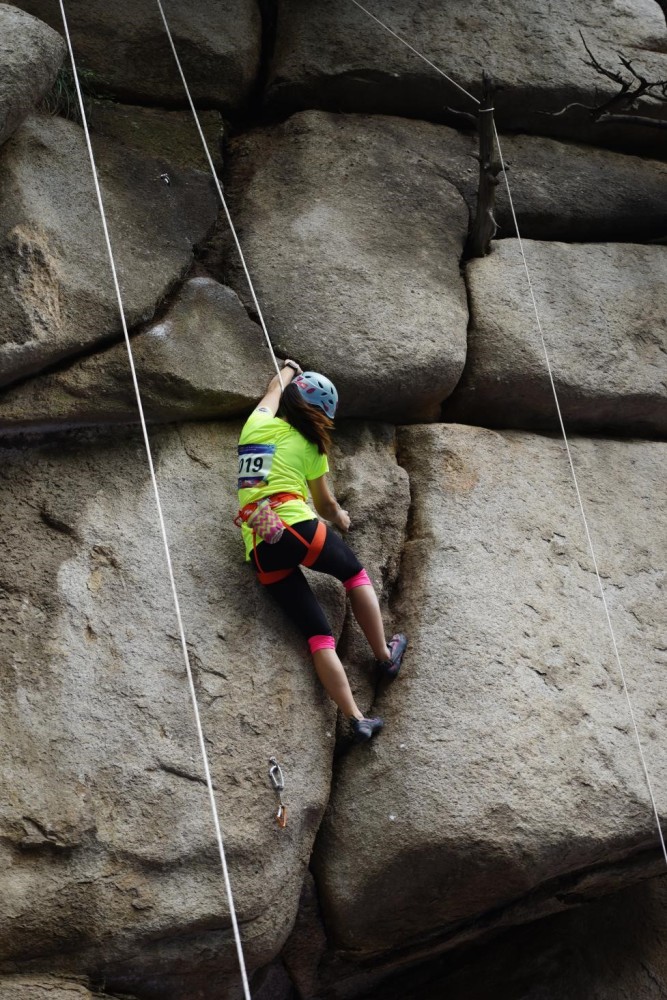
(293, 594)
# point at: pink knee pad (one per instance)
(321, 642)
(360, 579)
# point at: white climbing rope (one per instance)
(416, 52)
(163, 529)
(591, 547)
(561, 422)
(223, 200)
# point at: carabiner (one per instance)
(276, 775)
(278, 781)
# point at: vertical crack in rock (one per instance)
(269, 14)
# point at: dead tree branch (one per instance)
(484, 225)
(626, 105)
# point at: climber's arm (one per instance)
(270, 401)
(326, 504)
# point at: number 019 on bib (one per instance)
(255, 461)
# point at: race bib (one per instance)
(255, 461)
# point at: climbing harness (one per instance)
(278, 781)
(260, 516)
(313, 550)
(561, 422)
(262, 519)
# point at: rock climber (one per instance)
(282, 454)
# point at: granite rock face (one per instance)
(30, 57)
(354, 244)
(56, 292)
(108, 851)
(603, 312)
(507, 782)
(203, 359)
(109, 861)
(123, 49)
(453, 854)
(335, 56)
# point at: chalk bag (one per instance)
(265, 522)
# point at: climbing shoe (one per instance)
(389, 668)
(363, 729)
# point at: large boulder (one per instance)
(354, 243)
(57, 297)
(560, 190)
(567, 191)
(335, 56)
(108, 851)
(603, 312)
(30, 56)
(108, 858)
(610, 949)
(204, 358)
(160, 133)
(507, 783)
(123, 49)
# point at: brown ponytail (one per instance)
(309, 420)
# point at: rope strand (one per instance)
(416, 52)
(158, 504)
(220, 194)
(591, 547)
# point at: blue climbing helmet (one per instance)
(319, 391)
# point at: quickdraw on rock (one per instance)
(278, 781)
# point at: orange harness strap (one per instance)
(315, 547)
(266, 579)
(275, 500)
(313, 550)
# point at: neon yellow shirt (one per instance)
(274, 457)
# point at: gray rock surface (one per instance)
(354, 242)
(612, 949)
(157, 132)
(571, 192)
(560, 190)
(108, 860)
(203, 359)
(603, 310)
(30, 57)
(375, 491)
(335, 56)
(105, 794)
(56, 292)
(39, 987)
(123, 49)
(507, 782)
